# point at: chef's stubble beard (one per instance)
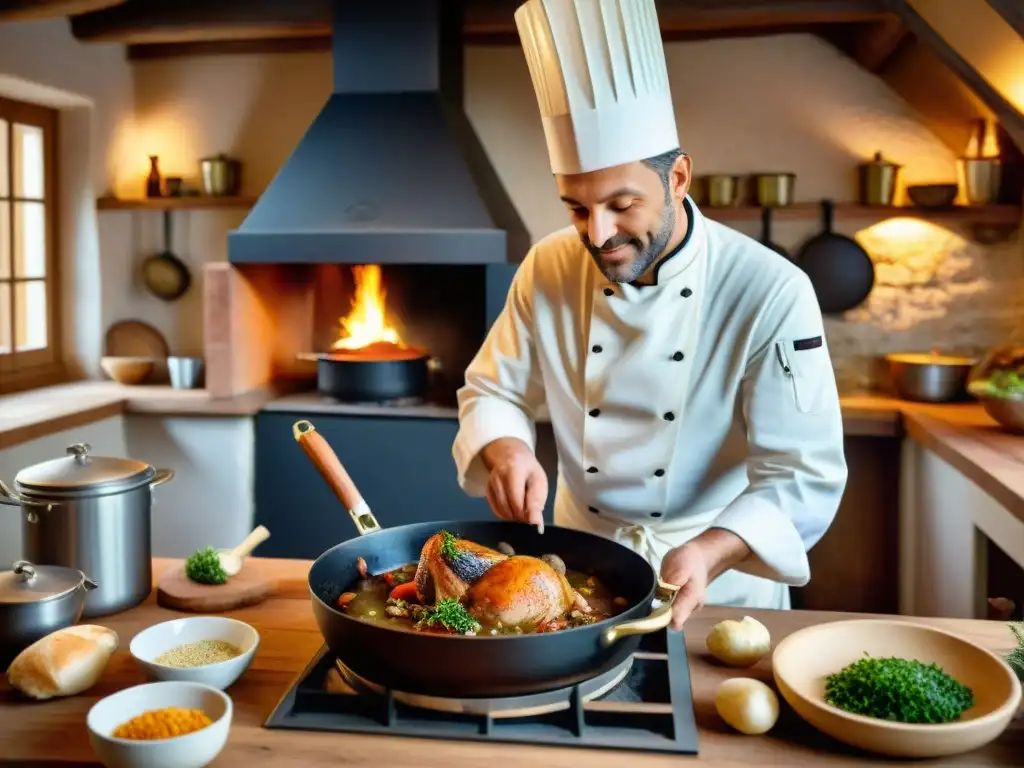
(645, 256)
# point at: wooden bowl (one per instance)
(127, 370)
(802, 661)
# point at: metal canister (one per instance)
(878, 181)
(721, 189)
(221, 174)
(774, 190)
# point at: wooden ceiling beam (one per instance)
(878, 41)
(25, 10)
(186, 21)
(1006, 113)
(1012, 12)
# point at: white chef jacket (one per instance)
(706, 399)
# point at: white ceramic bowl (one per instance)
(193, 750)
(154, 641)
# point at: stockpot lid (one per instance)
(81, 474)
(29, 583)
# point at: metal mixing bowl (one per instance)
(929, 377)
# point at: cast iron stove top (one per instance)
(645, 704)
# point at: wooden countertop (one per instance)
(30, 415)
(38, 733)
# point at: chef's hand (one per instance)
(686, 567)
(696, 564)
(517, 488)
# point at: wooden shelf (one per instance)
(193, 202)
(981, 214)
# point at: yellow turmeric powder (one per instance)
(162, 724)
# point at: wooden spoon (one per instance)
(231, 559)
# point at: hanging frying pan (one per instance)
(166, 276)
(841, 271)
(766, 232)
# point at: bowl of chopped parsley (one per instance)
(897, 688)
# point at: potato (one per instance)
(739, 643)
(748, 705)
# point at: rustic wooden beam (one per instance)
(151, 51)
(24, 10)
(878, 41)
(182, 21)
(1008, 115)
(1012, 11)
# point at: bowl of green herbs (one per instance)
(896, 687)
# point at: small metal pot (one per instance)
(774, 190)
(222, 175)
(36, 600)
(929, 377)
(721, 190)
(878, 178)
(91, 513)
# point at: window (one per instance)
(29, 322)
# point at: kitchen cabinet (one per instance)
(947, 526)
(402, 466)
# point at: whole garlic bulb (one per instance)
(748, 705)
(739, 643)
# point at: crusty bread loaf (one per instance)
(63, 663)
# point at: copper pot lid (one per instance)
(29, 583)
(82, 474)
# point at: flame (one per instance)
(366, 324)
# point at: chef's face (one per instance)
(628, 216)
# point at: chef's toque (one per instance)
(598, 69)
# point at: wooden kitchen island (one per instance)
(54, 732)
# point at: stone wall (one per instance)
(935, 287)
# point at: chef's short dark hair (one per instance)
(662, 165)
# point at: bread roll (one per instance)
(63, 663)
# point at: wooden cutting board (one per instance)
(176, 591)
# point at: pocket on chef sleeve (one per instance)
(806, 365)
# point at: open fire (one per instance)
(366, 331)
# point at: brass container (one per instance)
(721, 190)
(878, 179)
(222, 176)
(774, 190)
(982, 179)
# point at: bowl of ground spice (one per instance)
(160, 725)
(896, 687)
(212, 650)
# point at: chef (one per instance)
(683, 365)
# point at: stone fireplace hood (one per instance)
(391, 170)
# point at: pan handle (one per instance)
(329, 465)
(655, 621)
(828, 210)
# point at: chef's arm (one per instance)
(503, 388)
(796, 467)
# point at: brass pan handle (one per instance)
(655, 621)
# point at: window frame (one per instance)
(30, 369)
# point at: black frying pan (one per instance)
(766, 233)
(841, 271)
(465, 666)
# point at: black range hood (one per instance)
(391, 170)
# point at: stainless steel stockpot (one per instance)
(91, 513)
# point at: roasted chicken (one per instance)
(448, 565)
(496, 589)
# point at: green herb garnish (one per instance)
(203, 567)
(448, 549)
(898, 689)
(1016, 657)
(451, 614)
